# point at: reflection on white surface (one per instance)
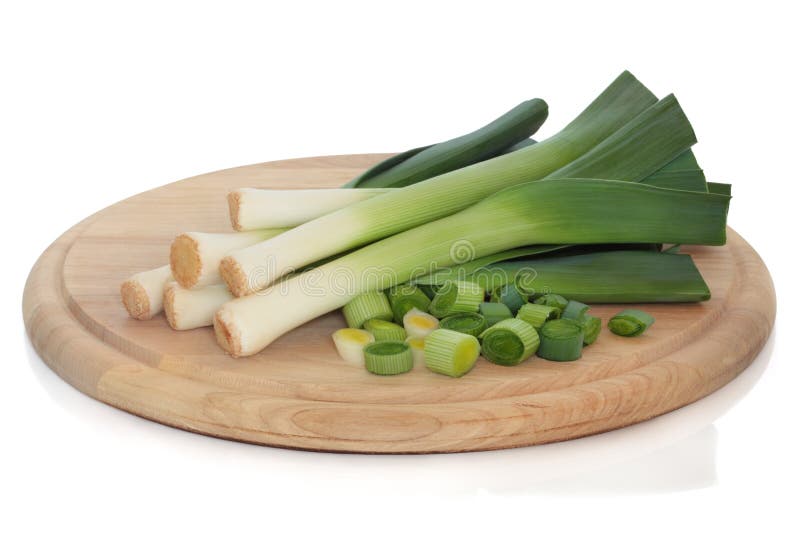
(674, 452)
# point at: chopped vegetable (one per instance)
(471, 323)
(494, 312)
(388, 358)
(509, 342)
(419, 324)
(193, 308)
(350, 343)
(630, 323)
(369, 305)
(591, 328)
(509, 295)
(451, 353)
(575, 310)
(562, 340)
(552, 300)
(456, 297)
(385, 330)
(537, 314)
(407, 297)
(143, 293)
(417, 345)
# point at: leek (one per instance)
(494, 312)
(143, 293)
(512, 127)
(366, 306)
(537, 314)
(681, 173)
(510, 296)
(630, 323)
(574, 310)
(467, 323)
(384, 330)
(417, 346)
(719, 188)
(456, 297)
(591, 328)
(186, 309)
(552, 300)
(407, 297)
(451, 353)
(419, 324)
(411, 206)
(596, 211)
(509, 342)
(350, 344)
(388, 358)
(562, 340)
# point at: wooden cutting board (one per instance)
(298, 393)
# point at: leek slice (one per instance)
(407, 297)
(384, 330)
(575, 310)
(509, 295)
(388, 358)
(630, 323)
(467, 323)
(562, 340)
(455, 297)
(552, 300)
(494, 312)
(417, 345)
(419, 324)
(451, 353)
(407, 207)
(510, 128)
(537, 314)
(591, 328)
(369, 305)
(509, 342)
(350, 343)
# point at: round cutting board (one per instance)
(298, 393)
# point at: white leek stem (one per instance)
(142, 293)
(252, 209)
(194, 256)
(193, 308)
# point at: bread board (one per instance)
(298, 393)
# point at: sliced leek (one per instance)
(407, 297)
(350, 344)
(561, 340)
(411, 206)
(388, 358)
(384, 330)
(494, 312)
(596, 211)
(552, 300)
(194, 256)
(509, 295)
(417, 346)
(630, 323)
(471, 323)
(574, 310)
(537, 314)
(591, 328)
(419, 324)
(451, 353)
(509, 342)
(253, 209)
(368, 305)
(513, 127)
(456, 297)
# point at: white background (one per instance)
(101, 100)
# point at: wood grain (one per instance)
(298, 393)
